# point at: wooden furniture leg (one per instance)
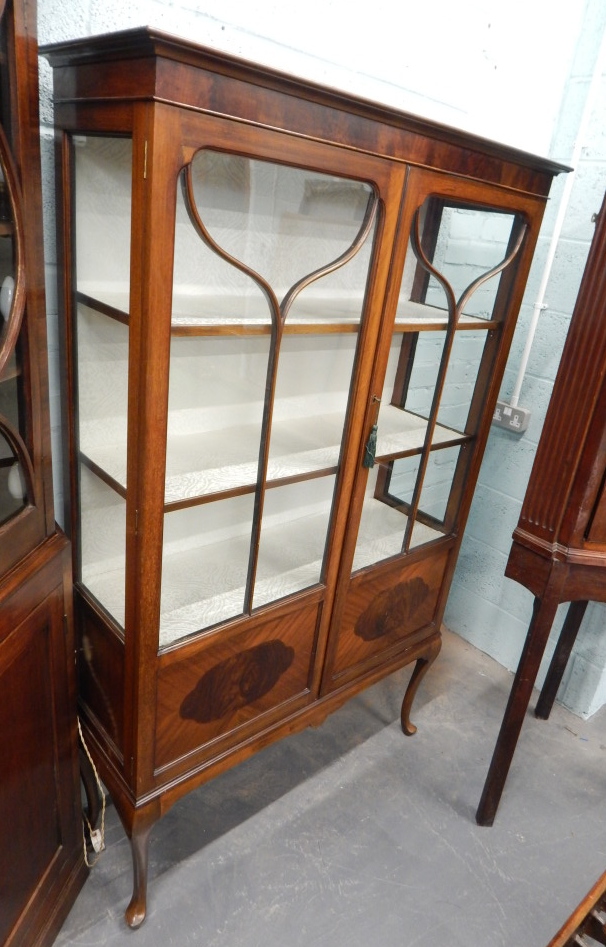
(534, 647)
(139, 843)
(567, 638)
(421, 668)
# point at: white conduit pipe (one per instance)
(540, 303)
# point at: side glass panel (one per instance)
(271, 265)
(452, 301)
(103, 210)
(102, 169)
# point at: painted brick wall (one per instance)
(489, 610)
(478, 71)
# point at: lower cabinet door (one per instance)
(385, 612)
(41, 853)
(231, 684)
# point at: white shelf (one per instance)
(217, 310)
(209, 462)
(205, 585)
(415, 314)
(382, 531)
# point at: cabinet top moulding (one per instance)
(145, 64)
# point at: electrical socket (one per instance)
(512, 419)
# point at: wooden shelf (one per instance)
(381, 534)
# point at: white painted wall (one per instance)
(513, 70)
(497, 68)
(486, 608)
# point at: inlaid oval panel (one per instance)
(237, 681)
(221, 689)
(391, 610)
(382, 612)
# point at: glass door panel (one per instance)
(102, 375)
(102, 542)
(271, 266)
(293, 537)
(205, 564)
(437, 485)
(102, 199)
(272, 221)
(385, 518)
(12, 483)
(312, 389)
(453, 290)
(215, 414)
(470, 243)
(460, 249)
(462, 381)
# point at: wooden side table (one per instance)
(559, 545)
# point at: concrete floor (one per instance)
(352, 834)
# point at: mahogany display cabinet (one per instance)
(288, 313)
(41, 846)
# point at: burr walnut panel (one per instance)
(382, 611)
(228, 681)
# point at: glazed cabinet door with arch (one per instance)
(25, 502)
(460, 269)
(218, 417)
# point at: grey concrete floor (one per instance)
(352, 834)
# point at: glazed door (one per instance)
(215, 390)
(22, 513)
(275, 309)
(275, 295)
(429, 412)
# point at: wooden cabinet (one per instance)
(288, 315)
(559, 545)
(41, 855)
(41, 849)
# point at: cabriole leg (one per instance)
(139, 843)
(421, 668)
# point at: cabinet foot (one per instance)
(421, 668)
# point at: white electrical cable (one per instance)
(540, 304)
(97, 836)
